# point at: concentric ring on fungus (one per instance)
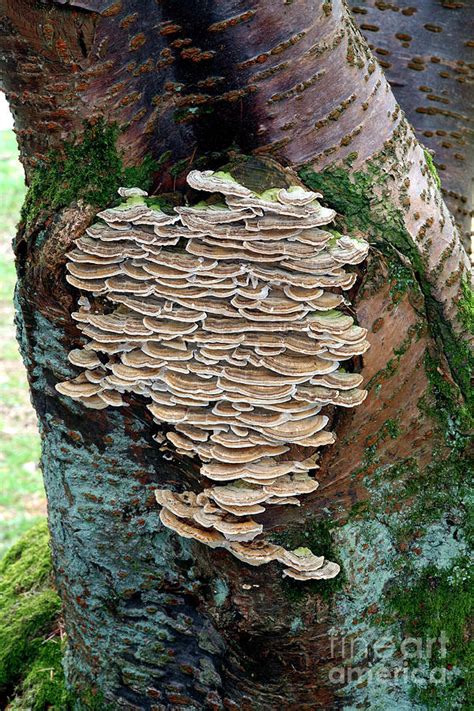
(224, 315)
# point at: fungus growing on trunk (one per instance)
(224, 315)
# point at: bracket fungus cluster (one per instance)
(224, 315)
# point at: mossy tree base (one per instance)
(31, 648)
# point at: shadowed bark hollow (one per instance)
(154, 622)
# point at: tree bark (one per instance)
(427, 53)
(154, 622)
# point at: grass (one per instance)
(22, 501)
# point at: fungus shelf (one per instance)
(225, 317)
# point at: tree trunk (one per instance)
(426, 52)
(155, 622)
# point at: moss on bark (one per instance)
(419, 520)
(432, 167)
(416, 516)
(89, 166)
(438, 605)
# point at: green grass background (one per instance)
(22, 501)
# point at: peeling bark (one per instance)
(154, 623)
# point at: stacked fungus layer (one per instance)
(225, 316)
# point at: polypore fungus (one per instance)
(224, 315)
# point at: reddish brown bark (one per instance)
(199, 85)
(427, 54)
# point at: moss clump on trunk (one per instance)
(466, 307)
(432, 167)
(88, 167)
(30, 654)
(438, 606)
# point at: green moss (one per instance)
(43, 687)
(446, 406)
(318, 538)
(91, 700)
(89, 167)
(31, 650)
(439, 602)
(466, 307)
(447, 480)
(432, 167)
(179, 167)
(428, 493)
(29, 607)
(352, 195)
(401, 280)
(459, 355)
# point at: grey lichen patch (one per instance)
(363, 645)
(221, 591)
(119, 565)
(296, 624)
(239, 356)
(47, 353)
